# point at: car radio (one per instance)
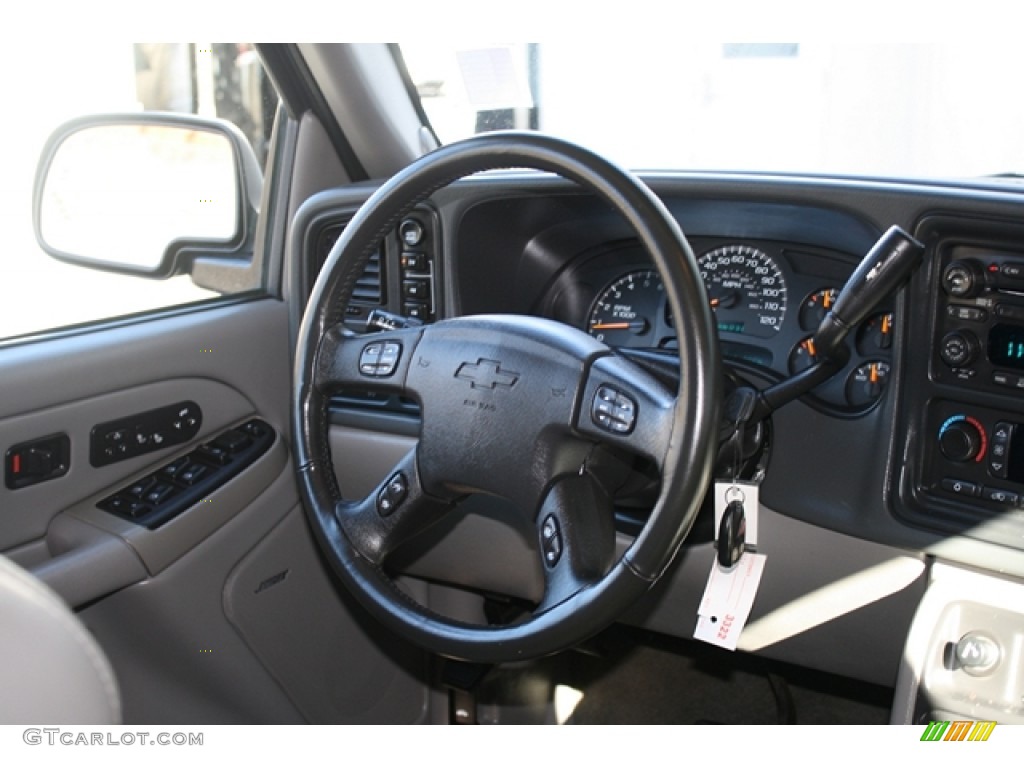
(980, 328)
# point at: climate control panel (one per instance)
(976, 454)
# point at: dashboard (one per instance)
(909, 461)
(897, 447)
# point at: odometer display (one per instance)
(746, 289)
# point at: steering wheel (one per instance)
(514, 406)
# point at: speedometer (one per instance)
(746, 288)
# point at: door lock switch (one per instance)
(37, 461)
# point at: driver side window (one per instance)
(224, 80)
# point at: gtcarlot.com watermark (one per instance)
(59, 737)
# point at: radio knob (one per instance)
(960, 442)
(959, 348)
(963, 279)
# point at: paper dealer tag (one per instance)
(728, 598)
(725, 493)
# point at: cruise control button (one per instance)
(552, 550)
(392, 494)
(388, 358)
(550, 540)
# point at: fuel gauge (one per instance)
(875, 335)
(866, 383)
(803, 356)
(815, 307)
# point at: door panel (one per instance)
(194, 616)
(232, 361)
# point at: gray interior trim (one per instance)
(863, 641)
(87, 562)
(334, 661)
(948, 610)
(372, 105)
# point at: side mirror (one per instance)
(147, 194)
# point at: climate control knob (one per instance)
(961, 441)
(959, 348)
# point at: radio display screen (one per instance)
(1006, 346)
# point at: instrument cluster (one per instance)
(768, 300)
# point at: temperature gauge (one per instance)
(875, 335)
(866, 383)
(815, 307)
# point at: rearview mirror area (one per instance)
(145, 194)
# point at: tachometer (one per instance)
(746, 288)
(629, 312)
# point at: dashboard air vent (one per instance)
(369, 288)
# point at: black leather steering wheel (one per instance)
(513, 406)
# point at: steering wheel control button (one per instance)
(380, 359)
(613, 411)
(977, 653)
(551, 541)
(369, 358)
(392, 494)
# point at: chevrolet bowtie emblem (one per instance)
(486, 374)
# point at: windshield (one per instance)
(896, 110)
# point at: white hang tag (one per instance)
(728, 599)
(725, 493)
